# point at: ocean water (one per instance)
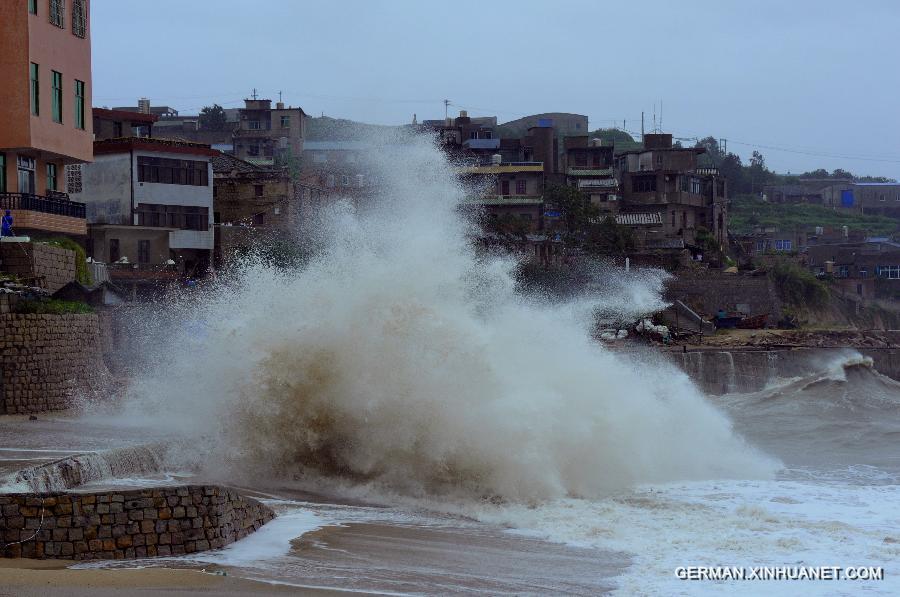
(421, 426)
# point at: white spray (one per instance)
(400, 358)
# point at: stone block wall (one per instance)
(169, 521)
(709, 291)
(45, 360)
(54, 267)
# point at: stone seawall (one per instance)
(45, 360)
(167, 521)
(50, 267)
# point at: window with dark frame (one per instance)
(113, 250)
(143, 251)
(258, 190)
(259, 219)
(51, 177)
(171, 171)
(57, 13)
(79, 18)
(179, 217)
(285, 122)
(35, 90)
(520, 187)
(117, 129)
(504, 187)
(32, 6)
(56, 89)
(79, 104)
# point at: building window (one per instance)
(57, 13)
(78, 18)
(285, 122)
(783, 245)
(258, 190)
(881, 197)
(360, 180)
(863, 273)
(143, 251)
(32, 6)
(329, 181)
(57, 96)
(113, 250)
(73, 178)
(643, 184)
(25, 167)
(253, 150)
(259, 219)
(35, 90)
(2, 172)
(473, 135)
(504, 187)
(253, 125)
(117, 129)
(520, 187)
(180, 217)
(51, 177)
(170, 171)
(488, 134)
(79, 104)
(891, 272)
(345, 181)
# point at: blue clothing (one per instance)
(6, 228)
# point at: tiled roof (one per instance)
(586, 172)
(638, 219)
(224, 163)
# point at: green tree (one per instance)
(212, 118)
(607, 237)
(578, 211)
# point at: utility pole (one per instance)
(446, 105)
(642, 127)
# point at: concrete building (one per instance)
(45, 95)
(150, 205)
(667, 180)
(267, 135)
(872, 198)
(115, 124)
(590, 167)
(868, 269)
(340, 168)
(508, 189)
(255, 204)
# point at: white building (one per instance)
(149, 202)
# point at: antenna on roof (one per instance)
(254, 93)
(279, 97)
(446, 104)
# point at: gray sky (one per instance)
(816, 77)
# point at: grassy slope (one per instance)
(747, 212)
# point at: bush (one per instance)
(82, 274)
(799, 288)
(52, 307)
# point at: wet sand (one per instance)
(436, 560)
(40, 578)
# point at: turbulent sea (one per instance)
(421, 426)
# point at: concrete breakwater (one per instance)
(139, 523)
(719, 371)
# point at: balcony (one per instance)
(51, 213)
(502, 168)
(585, 171)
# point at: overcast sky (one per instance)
(809, 83)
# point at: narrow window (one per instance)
(345, 181)
(143, 251)
(51, 177)
(258, 189)
(79, 105)
(78, 18)
(520, 187)
(285, 122)
(117, 129)
(113, 250)
(32, 6)
(57, 13)
(259, 219)
(504, 187)
(35, 91)
(57, 96)
(2, 172)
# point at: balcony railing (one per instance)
(59, 204)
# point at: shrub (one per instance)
(799, 288)
(52, 307)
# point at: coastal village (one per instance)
(113, 212)
(106, 208)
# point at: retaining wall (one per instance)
(131, 524)
(45, 360)
(54, 267)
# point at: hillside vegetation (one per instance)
(747, 212)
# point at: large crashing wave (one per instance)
(400, 357)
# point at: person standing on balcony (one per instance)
(7, 227)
